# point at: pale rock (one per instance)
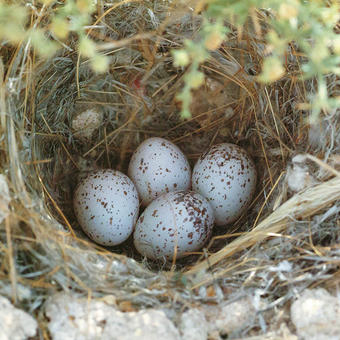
(143, 325)
(229, 317)
(316, 315)
(15, 324)
(74, 318)
(193, 325)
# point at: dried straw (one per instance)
(42, 248)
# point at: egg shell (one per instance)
(226, 176)
(158, 167)
(106, 205)
(177, 219)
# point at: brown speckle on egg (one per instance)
(230, 164)
(189, 219)
(105, 211)
(157, 167)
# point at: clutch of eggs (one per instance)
(106, 205)
(175, 221)
(226, 176)
(174, 224)
(158, 167)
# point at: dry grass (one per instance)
(43, 250)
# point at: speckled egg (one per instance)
(173, 224)
(106, 205)
(158, 167)
(226, 176)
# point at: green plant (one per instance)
(310, 25)
(47, 23)
(307, 24)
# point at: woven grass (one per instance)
(42, 248)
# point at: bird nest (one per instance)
(290, 230)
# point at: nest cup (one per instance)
(45, 154)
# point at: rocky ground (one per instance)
(314, 314)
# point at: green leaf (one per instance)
(272, 70)
(100, 63)
(45, 47)
(87, 47)
(181, 58)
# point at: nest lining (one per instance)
(42, 157)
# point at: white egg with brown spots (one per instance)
(158, 167)
(226, 176)
(174, 224)
(106, 205)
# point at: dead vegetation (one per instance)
(287, 241)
